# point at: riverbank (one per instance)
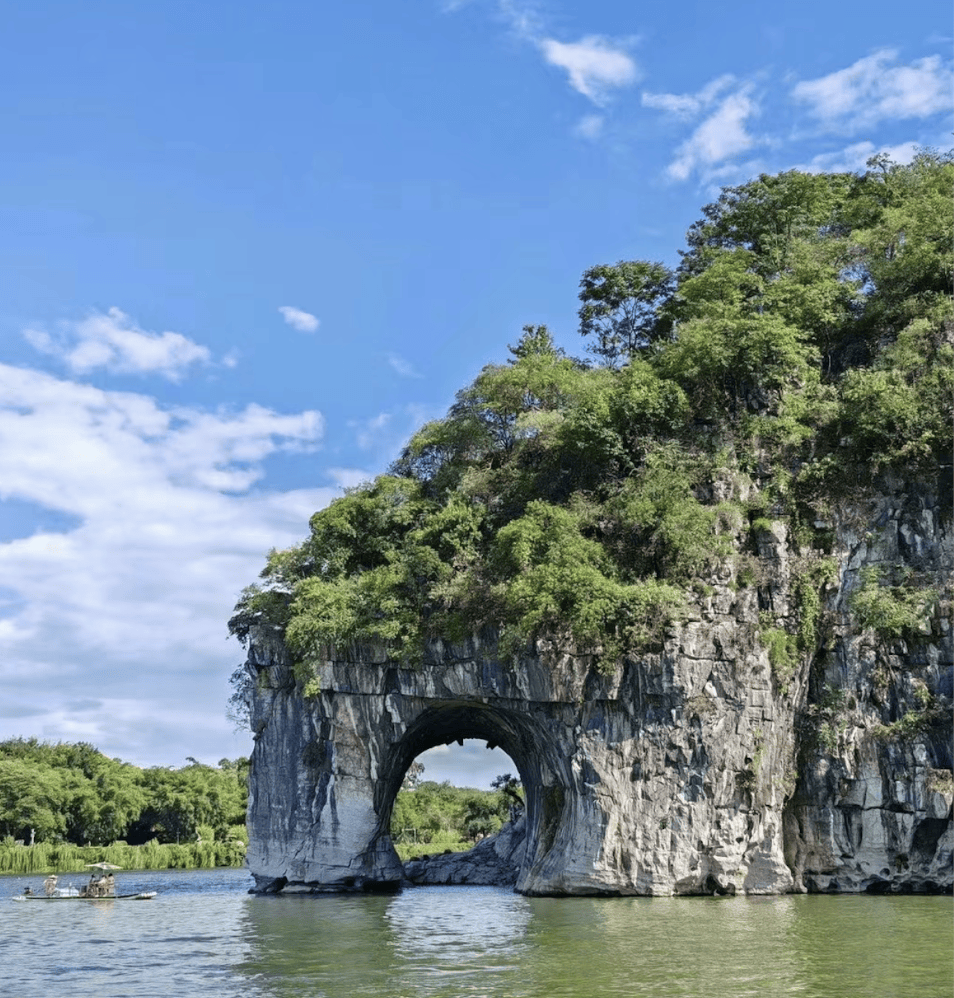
(63, 857)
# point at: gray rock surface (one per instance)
(693, 769)
(493, 862)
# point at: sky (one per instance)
(247, 249)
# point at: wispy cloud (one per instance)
(590, 127)
(383, 436)
(304, 322)
(855, 157)
(875, 89)
(368, 432)
(112, 341)
(722, 135)
(403, 367)
(521, 16)
(727, 105)
(595, 65)
(688, 106)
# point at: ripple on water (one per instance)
(205, 936)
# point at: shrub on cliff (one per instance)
(803, 345)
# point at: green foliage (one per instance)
(616, 419)
(827, 714)
(903, 241)
(72, 793)
(733, 355)
(179, 801)
(782, 650)
(809, 585)
(803, 346)
(621, 307)
(891, 611)
(657, 525)
(561, 581)
(899, 411)
(768, 216)
(437, 817)
(45, 857)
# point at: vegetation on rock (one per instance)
(804, 345)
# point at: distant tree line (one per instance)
(430, 817)
(72, 793)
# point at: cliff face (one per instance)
(872, 807)
(698, 768)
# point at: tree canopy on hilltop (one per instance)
(804, 345)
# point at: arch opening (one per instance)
(517, 734)
(454, 797)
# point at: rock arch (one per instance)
(691, 769)
(625, 786)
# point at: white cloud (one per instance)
(403, 367)
(595, 65)
(680, 105)
(368, 432)
(129, 606)
(721, 136)
(688, 106)
(469, 765)
(115, 343)
(875, 89)
(590, 127)
(855, 157)
(727, 105)
(304, 322)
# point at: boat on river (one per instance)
(143, 896)
(99, 888)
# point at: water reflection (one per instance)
(476, 941)
(876, 947)
(427, 942)
(185, 942)
(442, 942)
(456, 940)
(204, 936)
(682, 947)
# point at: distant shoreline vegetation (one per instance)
(65, 805)
(45, 857)
(430, 818)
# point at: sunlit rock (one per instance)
(691, 769)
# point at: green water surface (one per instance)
(204, 935)
(481, 942)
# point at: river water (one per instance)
(205, 935)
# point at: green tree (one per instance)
(33, 801)
(621, 307)
(767, 217)
(803, 345)
(903, 249)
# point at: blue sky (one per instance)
(247, 249)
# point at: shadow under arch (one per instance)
(520, 734)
